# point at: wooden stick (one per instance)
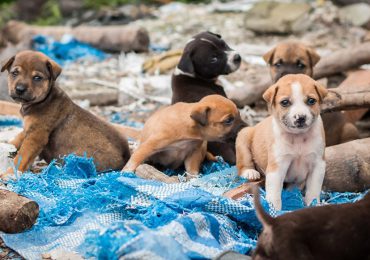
(348, 166)
(9, 108)
(108, 38)
(340, 99)
(17, 213)
(343, 60)
(148, 172)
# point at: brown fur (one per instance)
(53, 125)
(288, 58)
(324, 232)
(177, 135)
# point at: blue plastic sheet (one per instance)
(67, 50)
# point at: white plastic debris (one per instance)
(5, 156)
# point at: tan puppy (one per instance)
(289, 145)
(53, 125)
(293, 57)
(176, 135)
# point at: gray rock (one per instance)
(356, 15)
(281, 18)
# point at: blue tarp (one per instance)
(67, 50)
(114, 214)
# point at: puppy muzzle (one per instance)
(233, 61)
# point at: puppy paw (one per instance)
(250, 174)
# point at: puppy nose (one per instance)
(300, 120)
(20, 89)
(237, 58)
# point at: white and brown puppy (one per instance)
(288, 146)
(177, 135)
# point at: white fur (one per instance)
(297, 109)
(206, 40)
(300, 160)
(250, 174)
(230, 60)
(180, 72)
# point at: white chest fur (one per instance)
(298, 153)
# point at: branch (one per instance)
(343, 60)
(340, 99)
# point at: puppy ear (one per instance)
(54, 69)
(8, 64)
(200, 114)
(321, 91)
(185, 63)
(313, 56)
(215, 34)
(269, 56)
(270, 94)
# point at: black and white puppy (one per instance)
(206, 56)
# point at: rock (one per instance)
(356, 15)
(281, 18)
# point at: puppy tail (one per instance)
(262, 216)
(131, 132)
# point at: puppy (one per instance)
(296, 58)
(177, 135)
(325, 232)
(288, 146)
(53, 125)
(206, 56)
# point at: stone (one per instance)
(280, 18)
(356, 15)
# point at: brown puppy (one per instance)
(296, 58)
(288, 146)
(53, 125)
(177, 135)
(206, 56)
(324, 232)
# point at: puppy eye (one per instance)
(311, 101)
(214, 60)
(15, 73)
(278, 64)
(300, 65)
(37, 78)
(285, 103)
(229, 121)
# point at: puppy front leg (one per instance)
(31, 147)
(144, 150)
(244, 160)
(194, 160)
(18, 140)
(275, 176)
(314, 182)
